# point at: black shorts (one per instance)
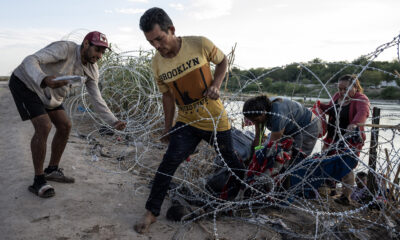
(28, 102)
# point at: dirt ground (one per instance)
(95, 207)
(102, 204)
(99, 205)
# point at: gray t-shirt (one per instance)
(289, 115)
(61, 58)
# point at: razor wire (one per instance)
(128, 87)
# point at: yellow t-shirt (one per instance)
(187, 76)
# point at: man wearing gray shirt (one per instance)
(39, 97)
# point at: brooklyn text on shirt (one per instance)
(179, 70)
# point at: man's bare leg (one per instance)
(143, 225)
(60, 139)
(42, 125)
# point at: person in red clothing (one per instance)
(349, 107)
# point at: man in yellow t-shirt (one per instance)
(181, 68)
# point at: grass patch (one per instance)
(4, 78)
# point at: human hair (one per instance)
(155, 16)
(259, 103)
(361, 175)
(350, 78)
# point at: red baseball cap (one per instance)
(97, 39)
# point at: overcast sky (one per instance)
(268, 33)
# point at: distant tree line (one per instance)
(295, 79)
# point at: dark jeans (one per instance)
(182, 143)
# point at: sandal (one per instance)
(43, 191)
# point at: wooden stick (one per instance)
(379, 126)
(371, 180)
(388, 168)
(396, 181)
(230, 63)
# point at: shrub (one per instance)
(4, 78)
(391, 93)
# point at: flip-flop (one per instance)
(43, 191)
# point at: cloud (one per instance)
(138, 1)
(29, 36)
(177, 6)
(108, 11)
(17, 43)
(354, 42)
(130, 10)
(210, 9)
(125, 29)
(281, 5)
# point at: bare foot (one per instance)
(143, 225)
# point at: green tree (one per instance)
(391, 93)
(292, 71)
(266, 83)
(371, 78)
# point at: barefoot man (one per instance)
(181, 68)
(39, 98)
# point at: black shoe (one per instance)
(343, 200)
(58, 176)
(333, 193)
